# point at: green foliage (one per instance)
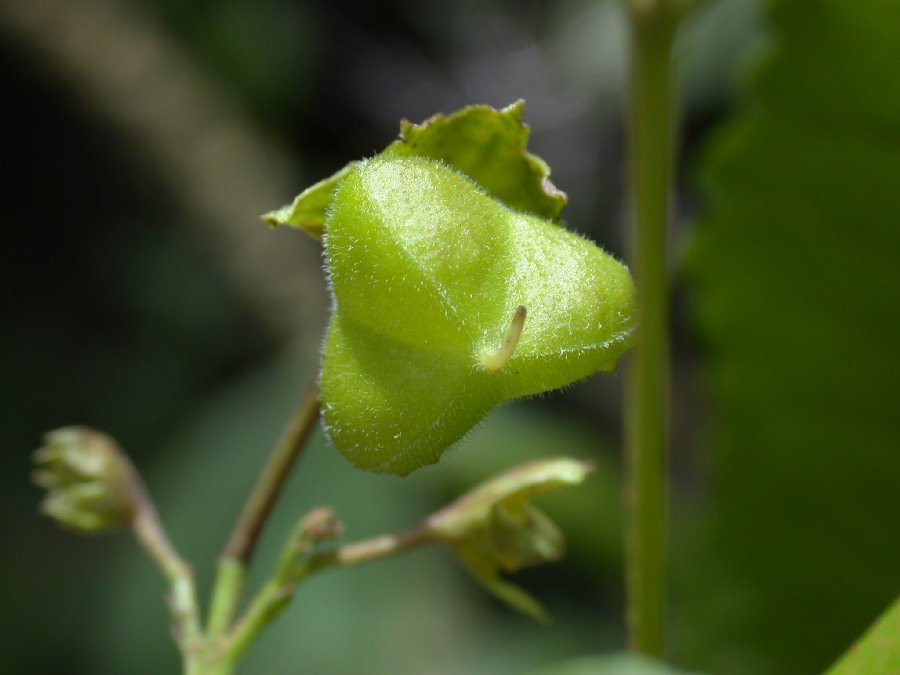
(485, 144)
(494, 528)
(878, 651)
(427, 273)
(488, 146)
(798, 295)
(310, 208)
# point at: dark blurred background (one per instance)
(144, 297)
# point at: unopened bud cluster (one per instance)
(89, 481)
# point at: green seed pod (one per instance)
(447, 303)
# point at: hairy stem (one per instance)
(232, 567)
(262, 498)
(651, 118)
(182, 596)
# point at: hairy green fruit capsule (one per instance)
(447, 303)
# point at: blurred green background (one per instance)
(143, 297)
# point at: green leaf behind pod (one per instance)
(486, 144)
(427, 272)
(796, 267)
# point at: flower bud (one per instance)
(89, 481)
(493, 528)
(321, 524)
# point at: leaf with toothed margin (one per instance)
(431, 280)
(486, 144)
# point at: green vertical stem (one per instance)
(268, 485)
(235, 558)
(182, 598)
(651, 119)
(230, 577)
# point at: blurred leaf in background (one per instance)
(612, 664)
(796, 276)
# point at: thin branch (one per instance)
(182, 597)
(376, 548)
(262, 498)
(232, 567)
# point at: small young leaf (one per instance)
(428, 275)
(486, 144)
(510, 594)
(495, 529)
(308, 209)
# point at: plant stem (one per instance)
(651, 118)
(232, 567)
(230, 577)
(182, 597)
(368, 550)
(262, 498)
